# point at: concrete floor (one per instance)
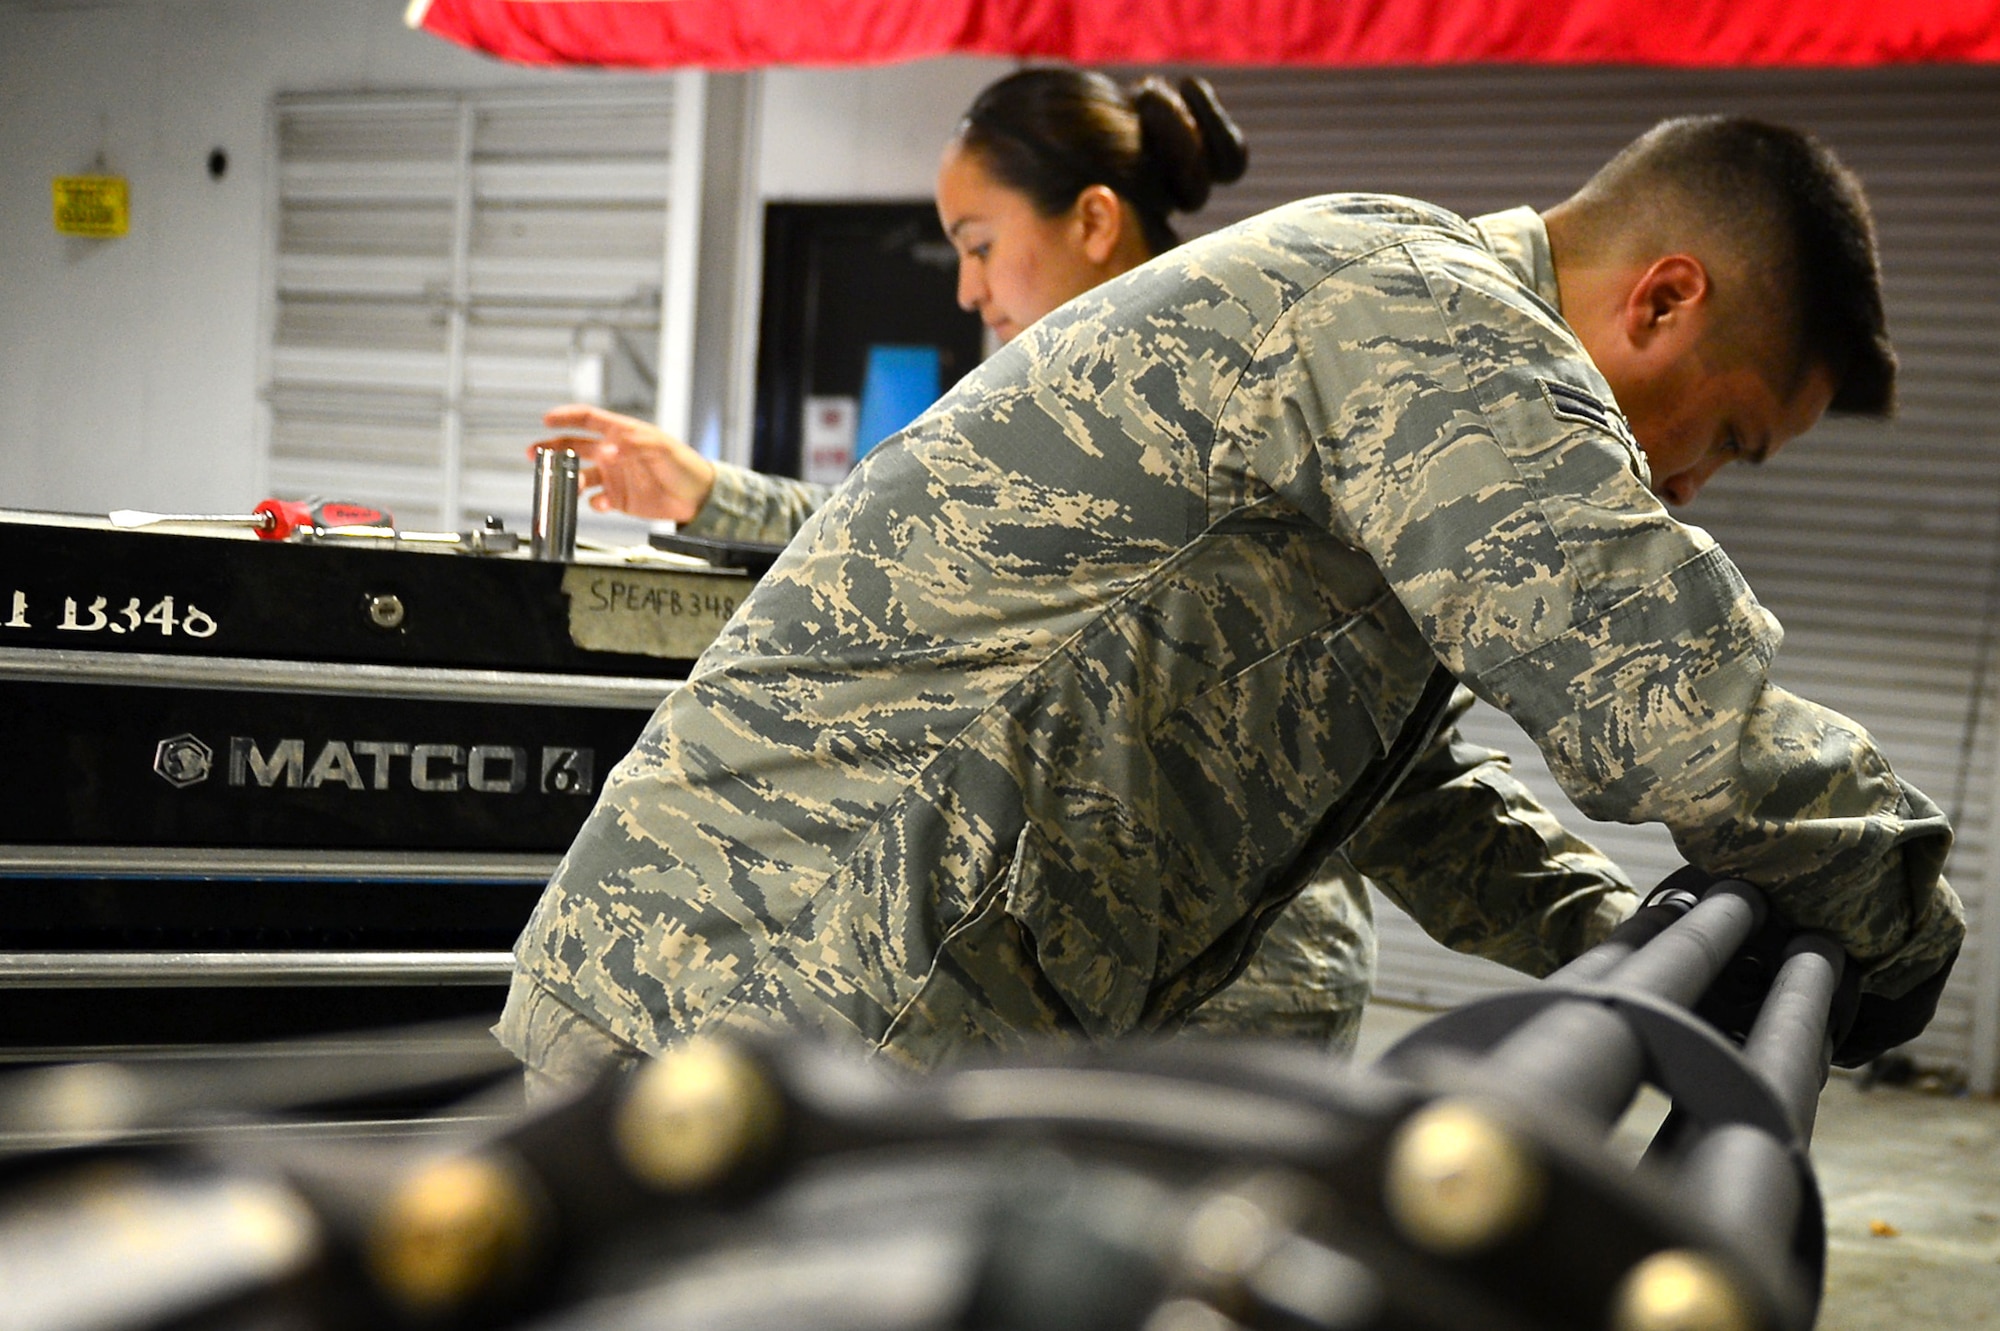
(1912, 1188)
(1911, 1181)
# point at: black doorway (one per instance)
(842, 282)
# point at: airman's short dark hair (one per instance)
(1794, 212)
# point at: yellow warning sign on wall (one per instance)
(92, 205)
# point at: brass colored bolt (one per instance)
(694, 1114)
(386, 611)
(450, 1232)
(1457, 1182)
(1227, 1236)
(1680, 1291)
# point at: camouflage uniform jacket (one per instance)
(1520, 889)
(747, 505)
(1059, 699)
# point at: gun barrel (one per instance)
(1581, 1055)
(1645, 924)
(1790, 1044)
(1686, 957)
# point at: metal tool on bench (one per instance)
(552, 523)
(1464, 1182)
(324, 520)
(273, 519)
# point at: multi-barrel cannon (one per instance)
(1469, 1179)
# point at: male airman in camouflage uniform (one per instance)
(1311, 976)
(1054, 706)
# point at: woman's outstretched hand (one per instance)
(630, 465)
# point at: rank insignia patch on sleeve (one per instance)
(1571, 403)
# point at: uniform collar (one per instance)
(1519, 239)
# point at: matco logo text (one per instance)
(363, 764)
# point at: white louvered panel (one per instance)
(495, 460)
(357, 365)
(363, 367)
(347, 229)
(566, 181)
(341, 127)
(535, 379)
(362, 277)
(1874, 545)
(408, 491)
(336, 322)
(567, 284)
(354, 442)
(381, 407)
(416, 345)
(627, 233)
(408, 184)
(608, 122)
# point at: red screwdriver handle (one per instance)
(284, 517)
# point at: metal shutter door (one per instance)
(441, 262)
(1876, 547)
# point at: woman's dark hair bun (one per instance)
(1188, 138)
(1051, 132)
(1227, 151)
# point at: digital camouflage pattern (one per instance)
(747, 505)
(1057, 702)
(1513, 886)
(1310, 978)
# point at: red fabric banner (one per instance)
(739, 34)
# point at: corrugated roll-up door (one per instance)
(447, 268)
(1877, 546)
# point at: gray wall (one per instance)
(863, 133)
(129, 367)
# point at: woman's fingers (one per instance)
(579, 416)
